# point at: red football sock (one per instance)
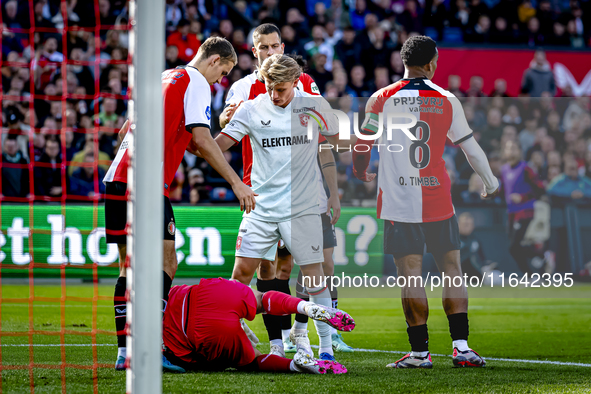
(272, 363)
(278, 303)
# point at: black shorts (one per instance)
(116, 215)
(402, 239)
(328, 234)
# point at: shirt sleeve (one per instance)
(309, 85)
(197, 103)
(373, 108)
(239, 91)
(459, 131)
(238, 126)
(329, 123)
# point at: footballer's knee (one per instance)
(244, 268)
(266, 270)
(284, 267)
(312, 275)
(328, 265)
(451, 262)
(411, 264)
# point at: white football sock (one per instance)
(461, 344)
(285, 335)
(122, 352)
(298, 325)
(322, 297)
(419, 354)
(302, 307)
(277, 342)
(293, 367)
(333, 331)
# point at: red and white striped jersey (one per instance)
(248, 88)
(413, 184)
(187, 99)
(118, 169)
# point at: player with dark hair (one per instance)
(202, 328)
(414, 196)
(271, 275)
(187, 113)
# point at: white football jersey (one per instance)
(285, 172)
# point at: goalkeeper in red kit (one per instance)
(202, 328)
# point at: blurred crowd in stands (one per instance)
(352, 48)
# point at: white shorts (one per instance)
(302, 237)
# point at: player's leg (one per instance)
(406, 242)
(330, 241)
(283, 273)
(313, 278)
(169, 267)
(120, 304)
(257, 240)
(301, 363)
(444, 242)
(338, 344)
(169, 260)
(416, 310)
(266, 282)
(245, 268)
(303, 238)
(266, 270)
(274, 302)
(280, 304)
(301, 320)
(115, 223)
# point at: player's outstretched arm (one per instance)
(329, 170)
(477, 159)
(212, 153)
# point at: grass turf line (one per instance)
(534, 329)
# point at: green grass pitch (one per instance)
(555, 329)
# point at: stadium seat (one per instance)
(431, 32)
(453, 34)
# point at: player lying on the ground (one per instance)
(202, 328)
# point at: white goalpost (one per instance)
(145, 206)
